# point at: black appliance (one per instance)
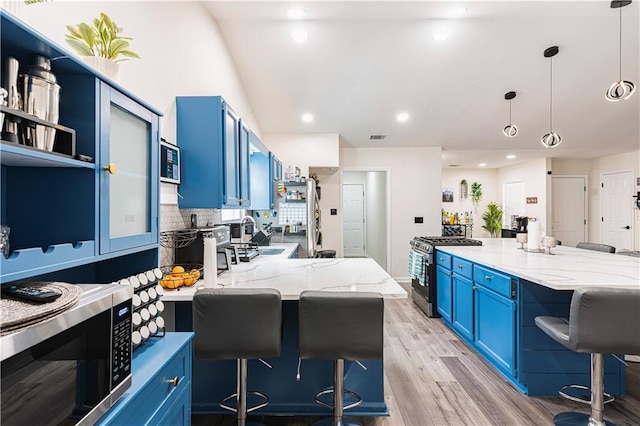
(73, 366)
(521, 223)
(241, 232)
(422, 268)
(193, 254)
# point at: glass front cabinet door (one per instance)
(128, 173)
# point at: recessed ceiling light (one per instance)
(402, 117)
(441, 34)
(307, 118)
(296, 13)
(300, 35)
(511, 157)
(482, 165)
(457, 12)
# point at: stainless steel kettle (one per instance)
(41, 97)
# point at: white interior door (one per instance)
(569, 209)
(617, 210)
(353, 220)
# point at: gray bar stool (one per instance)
(339, 326)
(601, 321)
(596, 247)
(237, 324)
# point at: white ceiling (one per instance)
(365, 62)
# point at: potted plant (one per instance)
(476, 193)
(492, 219)
(101, 44)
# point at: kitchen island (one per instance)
(214, 380)
(491, 294)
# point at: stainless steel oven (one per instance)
(422, 269)
(72, 368)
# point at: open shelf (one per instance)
(15, 155)
(37, 260)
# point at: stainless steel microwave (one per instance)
(71, 369)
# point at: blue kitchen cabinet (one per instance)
(444, 291)
(276, 167)
(462, 315)
(244, 171)
(262, 185)
(160, 391)
(215, 154)
(128, 173)
(53, 202)
(495, 328)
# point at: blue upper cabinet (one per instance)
(59, 208)
(128, 173)
(215, 154)
(244, 170)
(261, 184)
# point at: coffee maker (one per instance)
(521, 223)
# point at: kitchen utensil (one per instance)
(12, 97)
(41, 97)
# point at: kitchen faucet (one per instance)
(249, 218)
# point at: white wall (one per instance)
(182, 50)
(305, 150)
(451, 178)
(594, 168)
(534, 175)
(375, 190)
(415, 190)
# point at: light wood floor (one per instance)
(433, 378)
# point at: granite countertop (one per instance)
(567, 268)
(292, 276)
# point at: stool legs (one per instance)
(597, 400)
(338, 393)
(241, 395)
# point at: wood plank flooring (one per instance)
(433, 378)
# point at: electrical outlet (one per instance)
(418, 219)
(334, 212)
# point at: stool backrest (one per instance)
(340, 325)
(237, 323)
(596, 247)
(605, 320)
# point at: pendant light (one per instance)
(551, 139)
(511, 130)
(621, 89)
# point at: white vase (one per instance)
(14, 7)
(105, 66)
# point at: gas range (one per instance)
(422, 269)
(426, 244)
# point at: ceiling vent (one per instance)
(377, 137)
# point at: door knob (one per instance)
(625, 227)
(111, 168)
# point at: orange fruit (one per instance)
(177, 271)
(189, 281)
(195, 274)
(168, 282)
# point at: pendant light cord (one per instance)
(551, 95)
(620, 64)
(509, 112)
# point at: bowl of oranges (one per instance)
(176, 276)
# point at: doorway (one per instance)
(616, 205)
(365, 213)
(353, 220)
(569, 209)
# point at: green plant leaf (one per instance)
(80, 47)
(130, 54)
(87, 34)
(73, 31)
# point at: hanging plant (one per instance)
(476, 193)
(464, 189)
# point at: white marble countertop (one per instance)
(292, 276)
(567, 268)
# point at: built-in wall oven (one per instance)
(72, 368)
(422, 269)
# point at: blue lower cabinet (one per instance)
(495, 328)
(463, 306)
(160, 391)
(443, 290)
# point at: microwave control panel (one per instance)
(121, 343)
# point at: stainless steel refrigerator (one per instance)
(299, 217)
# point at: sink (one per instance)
(270, 251)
